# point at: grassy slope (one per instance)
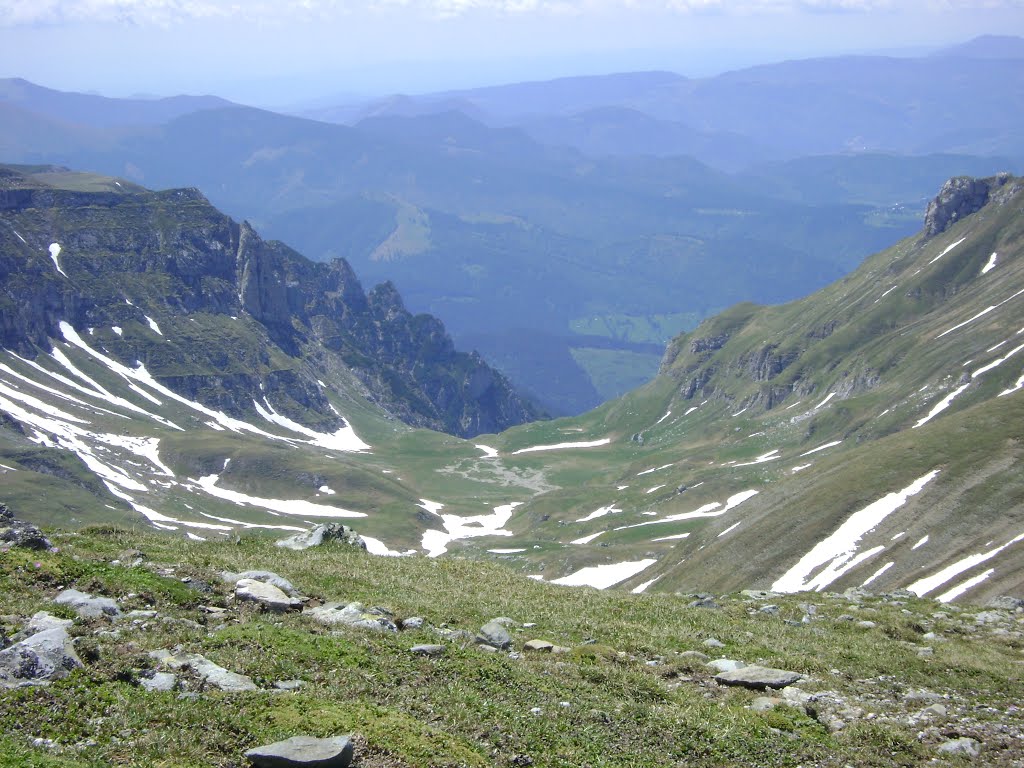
(627, 698)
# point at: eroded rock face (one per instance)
(959, 197)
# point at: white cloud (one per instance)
(16, 13)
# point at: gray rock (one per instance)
(934, 710)
(494, 633)
(759, 594)
(87, 606)
(712, 642)
(959, 197)
(771, 610)
(304, 751)
(697, 655)
(758, 678)
(428, 649)
(726, 665)
(542, 646)
(866, 624)
(963, 746)
(42, 621)
(267, 577)
(266, 595)
(46, 655)
(160, 681)
(18, 533)
(351, 615)
(289, 685)
(765, 703)
(413, 622)
(455, 635)
(211, 673)
(1006, 603)
(320, 535)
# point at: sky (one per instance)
(294, 52)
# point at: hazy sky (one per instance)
(277, 53)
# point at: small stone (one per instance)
(267, 577)
(712, 642)
(758, 677)
(695, 655)
(352, 615)
(758, 594)
(304, 751)
(770, 610)
(726, 665)
(935, 710)
(963, 746)
(925, 651)
(542, 646)
(289, 685)
(428, 650)
(413, 622)
(765, 703)
(866, 624)
(160, 681)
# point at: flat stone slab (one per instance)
(267, 595)
(267, 577)
(758, 678)
(543, 646)
(351, 615)
(428, 650)
(214, 674)
(87, 606)
(305, 751)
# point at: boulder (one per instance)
(267, 577)
(538, 645)
(18, 533)
(494, 633)
(266, 595)
(352, 615)
(47, 655)
(304, 751)
(320, 535)
(758, 678)
(970, 748)
(87, 606)
(160, 681)
(211, 673)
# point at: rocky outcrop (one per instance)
(959, 197)
(129, 257)
(18, 533)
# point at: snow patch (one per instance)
(922, 587)
(837, 552)
(435, 543)
(656, 469)
(326, 489)
(800, 468)
(55, 254)
(667, 414)
(959, 589)
(765, 457)
(285, 506)
(676, 537)
(878, 573)
(505, 551)
(920, 543)
(117, 329)
(942, 405)
(990, 264)
(489, 453)
(833, 444)
(345, 439)
(604, 576)
(562, 446)
(828, 397)
(655, 488)
(153, 325)
(643, 587)
(727, 530)
(587, 539)
(597, 513)
(378, 547)
(948, 249)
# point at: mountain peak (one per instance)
(959, 197)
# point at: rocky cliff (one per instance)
(219, 314)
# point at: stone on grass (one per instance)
(713, 642)
(266, 595)
(413, 622)
(758, 678)
(289, 685)
(304, 751)
(87, 606)
(963, 746)
(211, 673)
(765, 703)
(267, 577)
(43, 620)
(47, 655)
(18, 533)
(538, 645)
(726, 665)
(494, 633)
(160, 681)
(320, 535)
(428, 649)
(351, 615)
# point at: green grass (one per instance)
(601, 705)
